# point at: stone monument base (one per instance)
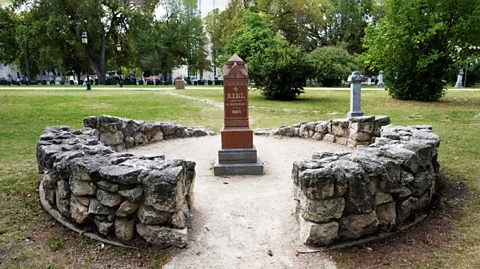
(237, 137)
(352, 114)
(238, 161)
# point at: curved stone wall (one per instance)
(349, 131)
(121, 133)
(341, 197)
(118, 193)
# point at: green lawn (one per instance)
(24, 114)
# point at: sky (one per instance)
(207, 5)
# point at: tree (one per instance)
(279, 71)
(331, 64)
(418, 42)
(253, 37)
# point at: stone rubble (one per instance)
(376, 187)
(118, 193)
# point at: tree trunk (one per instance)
(26, 56)
(102, 60)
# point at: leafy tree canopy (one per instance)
(418, 42)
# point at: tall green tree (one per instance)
(418, 42)
(254, 36)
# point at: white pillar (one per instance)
(380, 83)
(459, 83)
(355, 94)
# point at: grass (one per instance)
(24, 114)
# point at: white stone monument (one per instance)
(355, 80)
(459, 83)
(380, 83)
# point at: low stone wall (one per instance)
(349, 131)
(122, 133)
(340, 197)
(116, 193)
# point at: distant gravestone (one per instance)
(238, 155)
(355, 94)
(459, 83)
(380, 83)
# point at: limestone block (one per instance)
(139, 139)
(341, 122)
(149, 215)
(63, 204)
(355, 226)
(410, 205)
(302, 129)
(83, 200)
(103, 225)
(91, 122)
(79, 212)
(383, 198)
(318, 136)
(97, 208)
(315, 234)
(82, 188)
(322, 127)
(363, 127)
(359, 136)
(310, 126)
(86, 168)
(110, 123)
(164, 189)
(338, 130)
(133, 195)
(329, 138)
(421, 183)
(180, 218)
(120, 174)
(386, 214)
(341, 140)
(406, 157)
(131, 127)
(109, 199)
(296, 193)
(321, 210)
(126, 208)
(317, 183)
(429, 136)
(296, 132)
(125, 228)
(109, 138)
(163, 237)
(63, 189)
(107, 186)
(358, 198)
(400, 192)
(303, 134)
(311, 133)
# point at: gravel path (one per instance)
(243, 221)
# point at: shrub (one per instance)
(279, 72)
(331, 64)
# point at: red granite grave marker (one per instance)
(236, 132)
(238, 155)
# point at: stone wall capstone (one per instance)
(122, 133)
(341, 197)
(117, 193)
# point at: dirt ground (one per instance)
(243, 221)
